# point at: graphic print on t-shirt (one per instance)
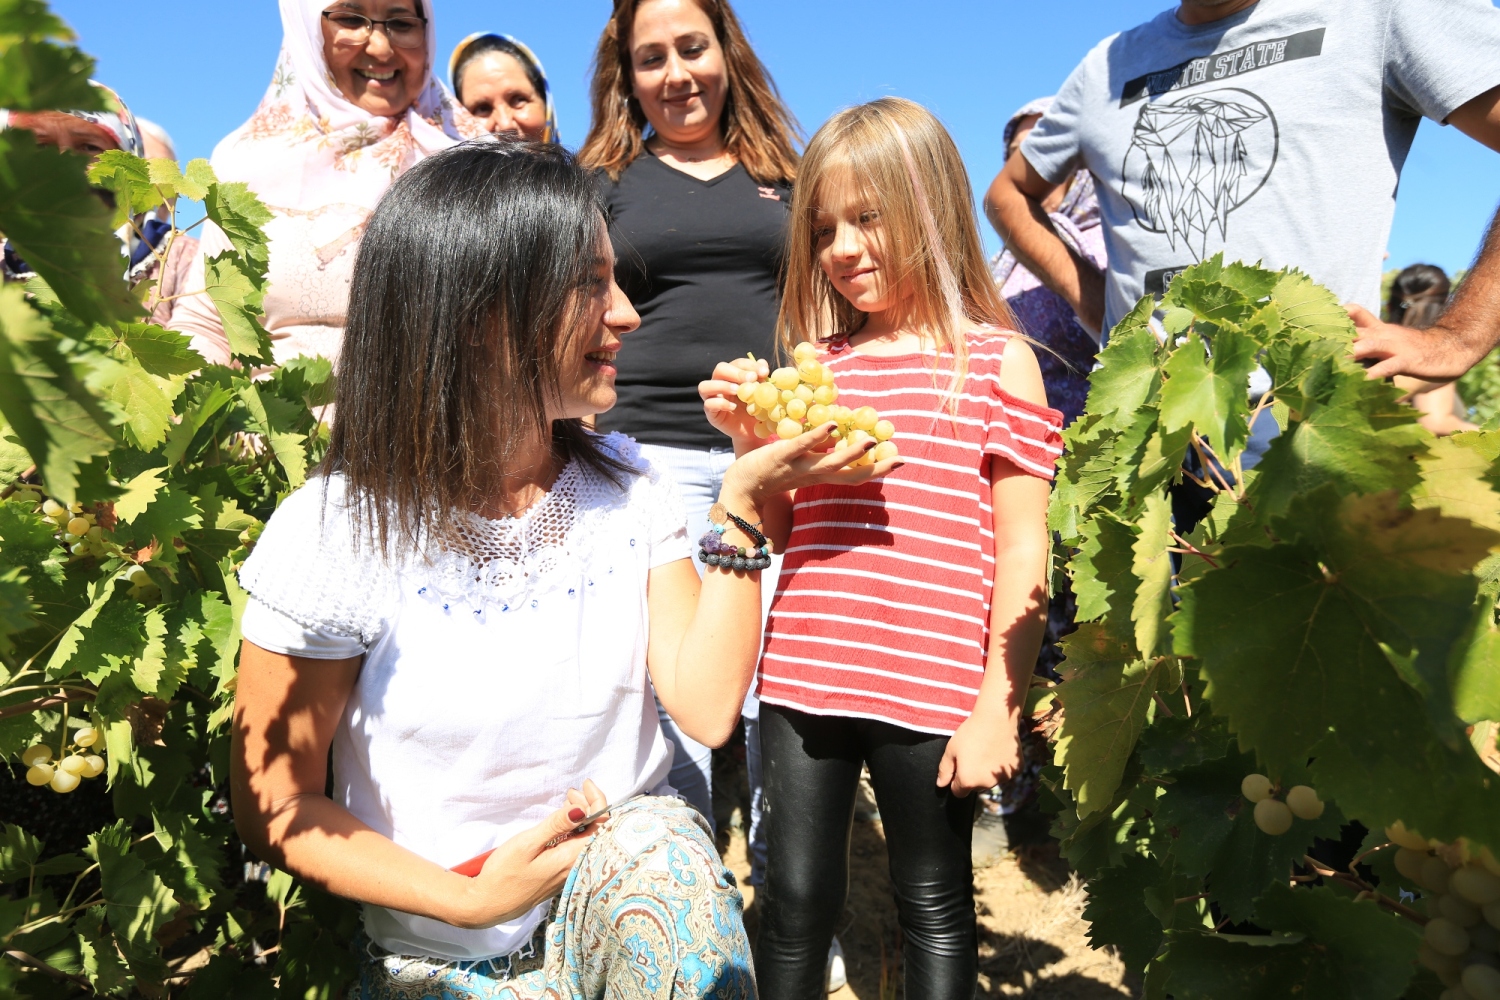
(1194, 159)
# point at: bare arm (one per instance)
(986, 748)
(1013, 205)
(286, 712)
(705, 641)
(1470, 329)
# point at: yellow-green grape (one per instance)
(785, 378)
(64, 781)
(1409, 863)
(803, 351)
(1304, 802)
(865, 418)
(78, 526)
(79, 548)
(746, 391)
(817, 414)
(825, 394)
(96, 533)
(884, 450)
(1448, 967)
(1446, 937)
(73, 764)
(1398, 834)
(1435, 875)
(52, 508)
(810, 370)
(138, 576)
(787, 396)
(68, 538)
(827, 375)
(1475, 884)
(35, 754)
(843, 415)
(766, 395)
(776, 414)
(760, 431)
(1255, 787)
(884, 430)
(750, 408)
(796, 409)
(804, 393)
(1482, 982)
(39, 774)
(1273, 817)
(788, 429)
(93, 765)
(1457, 909)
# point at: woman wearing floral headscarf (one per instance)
(353, 104)
(502, 83)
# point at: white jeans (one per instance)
(700, 476)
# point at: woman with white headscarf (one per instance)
(352, 105)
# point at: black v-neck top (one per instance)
(701, 261)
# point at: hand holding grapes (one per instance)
(805, 460)
(532, 865)
(722, 406)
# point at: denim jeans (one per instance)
(700, 476)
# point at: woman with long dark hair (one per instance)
(696, 156)
(1418, 298)
(471, 603)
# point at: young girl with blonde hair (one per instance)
(910, 608)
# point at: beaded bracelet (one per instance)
(714, 551)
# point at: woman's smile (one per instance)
(604, 360)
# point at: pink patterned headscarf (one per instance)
(308, 146)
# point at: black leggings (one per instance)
(811, 765)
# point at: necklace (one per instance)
(666, 147)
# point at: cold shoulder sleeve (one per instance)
(310, 567)
(1024, 433)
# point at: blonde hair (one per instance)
(900, 154)
(759, 130)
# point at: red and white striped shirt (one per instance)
(883, 604)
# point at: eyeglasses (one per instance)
(354, 29)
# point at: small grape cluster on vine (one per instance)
(72, 763)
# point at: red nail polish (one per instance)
(575, 814)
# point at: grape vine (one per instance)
(133, 481)
(1270, 656)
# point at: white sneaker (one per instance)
(837, 977)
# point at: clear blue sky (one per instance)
(199, 68)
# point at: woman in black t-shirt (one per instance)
(696, 158)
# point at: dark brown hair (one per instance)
(469, 283)
(1418, 296)
(758, 129)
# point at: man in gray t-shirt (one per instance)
(1272, 131)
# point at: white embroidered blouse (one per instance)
(494, 678)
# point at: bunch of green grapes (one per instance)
(1274, 816)
(72, 764)
(78, 529)
(796, 399)
(1461, 941)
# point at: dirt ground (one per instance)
(1032, 938)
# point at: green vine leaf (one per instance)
(1210, 396)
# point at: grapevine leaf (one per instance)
(19, 851)
(1129, 372)
(99, 958)
(227, 976)
(103, 637)
(1152, 566)
(152, 661)
(136, 901)
(272, 418)
(1364, 575)
(315, 964)
(1160, 459)
(36, 74)
(162, 353)
(45, 398)
(238, 294)
(1340, 950)
(61, 228)
(1117, 911)
(128, 178)
(191, 865)
(1308, 307)
(235, 209)
(146, 402)
(16, 606)
(204, 402)
(1202, 291)
(1455, 474)
(1210, 396)
(1248, 861)
(1171, 744)
(1102, 577)
(139, 493)
(1197, 810)
(1475, 671)
(1105, 695)
(1086, 473)
(171, 513)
